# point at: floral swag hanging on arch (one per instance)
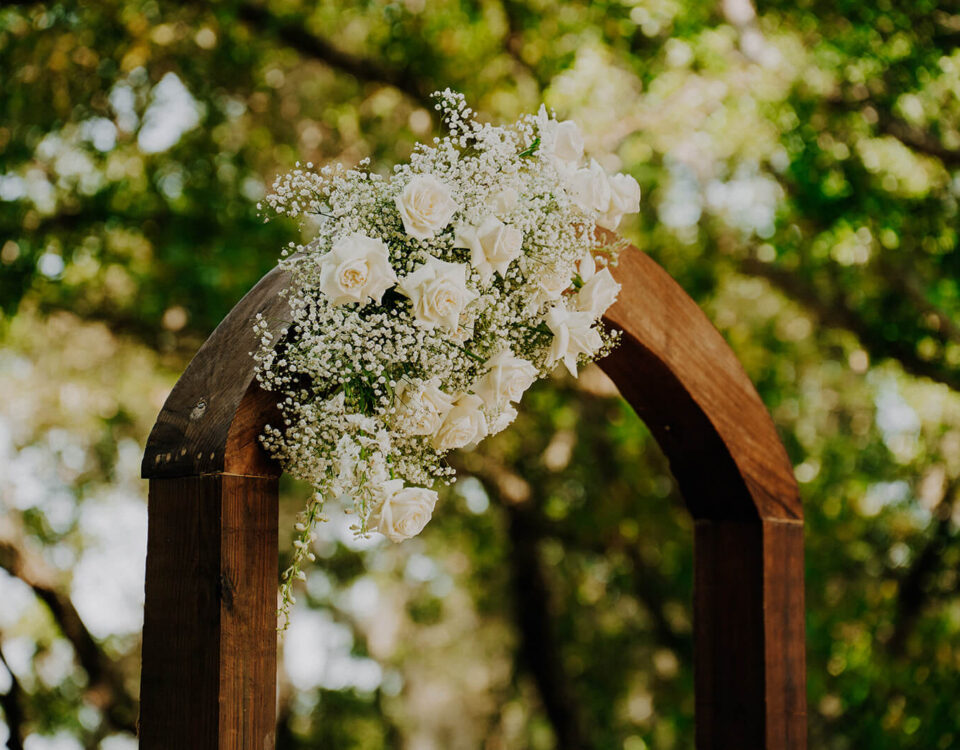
(425, 305)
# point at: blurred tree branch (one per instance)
(835, 311)
(907, 283)
(649, 586)
(365, 70)
(539, 648)
(916, 138)
(520, 500)
(106, 689)
(12, 704)
(913, 591)
(516, 14)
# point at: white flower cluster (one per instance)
(427, 303)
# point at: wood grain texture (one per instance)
(749, 655)
(190, 435)
(208, 680)
(673, 367)
(249, 562)
(686, 383)
(785, 635)
(728, 623)
(181, 646)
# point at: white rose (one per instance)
(607, 197)
(465, 425)
(493, 246)
(503, 420)
(426, 206)
(598, 294)
(567, 141)
(404, 513)
(355, 270)
(562, 141)
(439, 293)
(550, 285)
(624, 199)
(573, 335)
(422, 406)
(591, 188)
(504, 202)
(506, 379)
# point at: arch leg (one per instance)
(209, 631)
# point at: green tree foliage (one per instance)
(799, 162)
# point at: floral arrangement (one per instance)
(426, 303)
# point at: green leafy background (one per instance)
(799, 163)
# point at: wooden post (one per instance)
(209, 646)
(209, 672)
(209, 631)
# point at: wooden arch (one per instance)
(209, 640)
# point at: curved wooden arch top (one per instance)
(673, 367)
(216, 402)
(683, 380)
(688, 386)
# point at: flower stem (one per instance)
(308, 520)
(532, 148)
(475, 357)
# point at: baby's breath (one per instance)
(474, 272)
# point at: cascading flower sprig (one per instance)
(425, 303)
